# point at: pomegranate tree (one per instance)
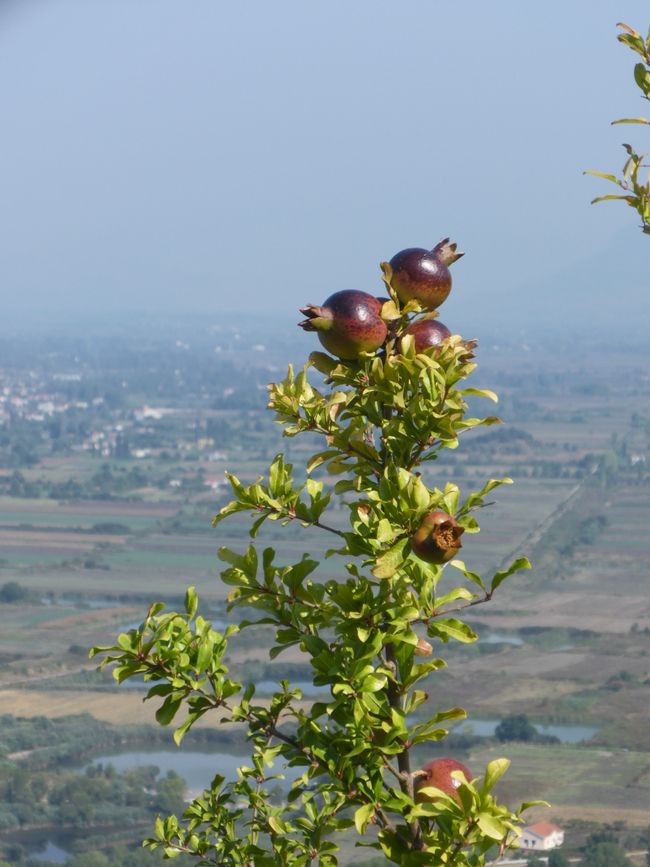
(383, 403)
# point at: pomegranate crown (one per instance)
(318, 318)
(446, 252)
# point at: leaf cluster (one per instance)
(634, 184)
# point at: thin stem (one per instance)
(386, 822)
(258, 789)
(291, 516)
(403, 758)
(291, 601)
(461, 842)
(417, 454)
(393, 771)
(481, 601)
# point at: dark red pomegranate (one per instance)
(428, 333)
(437, 539)
(348, 323)
(423, 275)
(439, 775)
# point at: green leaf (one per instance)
(451, 628)
(322, 362)
(494, 771)
(182, 730)
(390, 561)
(362, 816)
(643, 120)
(526, 805)
(168, 710)
(500, 577)
(473, 576)
(191, 601)
(491, 826)
(452, 713)
(373, 683)
(277, 825)
(642, 78)
(453, 595)
(385, 533)
(604, 176)
(320, 458)
(610, 198)
(482, 392)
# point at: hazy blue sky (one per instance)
(164, 154)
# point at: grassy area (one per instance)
(578, 782)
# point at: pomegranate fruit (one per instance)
(438, 774)
(423, 648)
(427, 333)
(423, 275)
(348, 323)
(437, 539)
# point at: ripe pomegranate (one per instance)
(439, 775)
(348, 323)
(437, 539)
(423, 275)
(427, 333)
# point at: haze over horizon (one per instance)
(258, 157)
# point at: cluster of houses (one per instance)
(29, 400)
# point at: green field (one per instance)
(578, 625)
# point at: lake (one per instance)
(42, 845)
(197, 768)
(501, 638)
(568, 734)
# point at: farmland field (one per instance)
(90, 539)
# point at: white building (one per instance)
(541, 836)
(215, 484)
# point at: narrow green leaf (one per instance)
(526, 805)
(604, 176)
(610, 198)
(191, 601)
(452, 713)
(482, 392)
(494, 771)
(473, 576)
(182, 730)
(500, 577)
